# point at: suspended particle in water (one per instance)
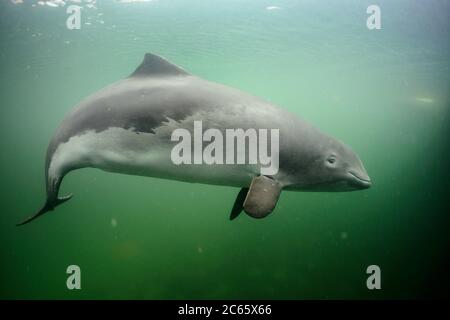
(113, 222)
(273, 8)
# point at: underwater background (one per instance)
(384, 92)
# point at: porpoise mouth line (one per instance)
(360, 179)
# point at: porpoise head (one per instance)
(331, 166)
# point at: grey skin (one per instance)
(126, 128)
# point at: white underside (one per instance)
(145, 154)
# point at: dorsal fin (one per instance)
(154, 65)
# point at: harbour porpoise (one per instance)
(128, 127)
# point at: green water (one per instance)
(384, 92)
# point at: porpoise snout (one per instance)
(360, 178)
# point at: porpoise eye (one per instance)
(331, 159)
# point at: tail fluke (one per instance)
(48, 206)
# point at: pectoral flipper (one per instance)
(259, 200)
